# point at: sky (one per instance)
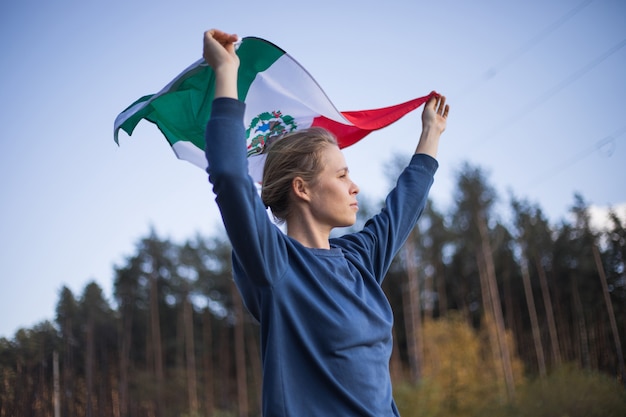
(536, 92)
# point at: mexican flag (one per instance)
(280, 96)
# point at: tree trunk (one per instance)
(545, 292)
(67, 381)
(497, 308)
(609, 307)
(89, 362)
(563, 324)
(155, 331)
(125, 363)
(114, 393)
(103, 403)
(256, 368)
(429, 304)
(190, 354)
(579, 314)
(149, 368)
(240, 356)
(489, 320)
(442, 296)
(395, 364)
(180, 338)
(55, 383)
(208, 362)
(509, 318)
(412, 314)
(530, 302)
(225, 365)
(40, 386)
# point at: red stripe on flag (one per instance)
(366, 121)
(346, 134)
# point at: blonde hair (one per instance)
(297, 154)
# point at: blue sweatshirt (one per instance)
(326, 324)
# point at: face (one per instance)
(333, 194)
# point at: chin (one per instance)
(349, 223)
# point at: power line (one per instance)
(535, 40)
(606, 144)
(528, 108)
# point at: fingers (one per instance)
(441, 107)
(219, 48)
(432, 101)
(219, 36)
(435, 114)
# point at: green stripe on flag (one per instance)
(181, 113)
(255, 55)
(132, 118)
(181, 110)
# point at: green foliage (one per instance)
(572, 392)
(567, 392)
(459, 374)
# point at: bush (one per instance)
(572, 392)
(567, 392)
(459, 379)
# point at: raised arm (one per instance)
(385, 233)
(434, 119)
(219, 53)
(255, 240)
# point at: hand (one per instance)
(435, 114)
(434, 120)
(219, 50)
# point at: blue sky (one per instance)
(536, 90)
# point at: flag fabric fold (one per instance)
(280, 96)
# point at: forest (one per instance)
(515, 318)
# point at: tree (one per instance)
(148, 318)
(131, 307)
(412, 311)
(32, 367)
(529, 241)
(100, 343)
(67, 318)
(535, 234)
(578, 270)
(188, 274)
(609, 306)
(435, 242)
(474, 202)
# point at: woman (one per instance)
(326, 324)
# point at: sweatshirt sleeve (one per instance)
(385, 233)
(256, 241)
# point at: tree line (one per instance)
(482, 308)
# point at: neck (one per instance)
(308, 234)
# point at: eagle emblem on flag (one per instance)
(267, 127)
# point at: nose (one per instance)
(354, 189)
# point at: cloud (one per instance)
(599, 216)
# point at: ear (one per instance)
(300, 189)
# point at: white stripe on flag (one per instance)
(189, 152)
(291, 90)
(255, 167)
